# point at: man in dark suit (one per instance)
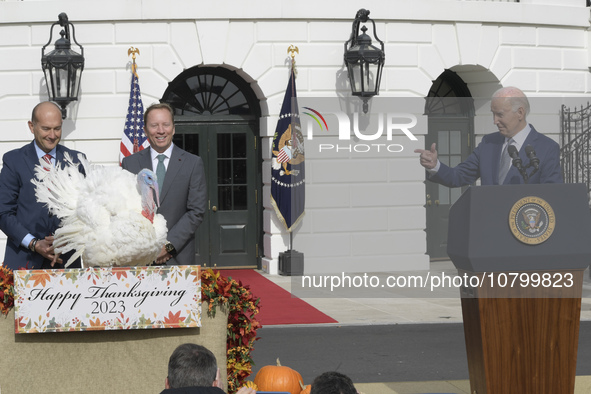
(509, 107)
(27, 223)
(193, 368)
(183, 192)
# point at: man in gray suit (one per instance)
(183, 192)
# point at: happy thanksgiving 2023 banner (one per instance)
(91, 299)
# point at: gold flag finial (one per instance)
(293, 50)
(133, 51)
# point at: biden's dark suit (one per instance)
(484, 162)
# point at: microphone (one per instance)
(533, 160)
(512, 150)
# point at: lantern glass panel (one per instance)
(355, 77)
(61, 82)
(49, 80)
(371, 71)
(75, 76)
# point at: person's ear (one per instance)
(218, 381)
(166, 385)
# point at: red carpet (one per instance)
(277, 305)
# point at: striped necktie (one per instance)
(47, 159)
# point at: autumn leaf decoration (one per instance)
(40, 279)
(243, 306)
(6, 290)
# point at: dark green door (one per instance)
(453, 139)
(229, 235)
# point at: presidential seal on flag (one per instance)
(291, 151)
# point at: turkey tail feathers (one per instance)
(58, 187)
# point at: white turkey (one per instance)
(108, 216)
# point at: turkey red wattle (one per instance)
(148, 188)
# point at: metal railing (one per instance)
(575, 139)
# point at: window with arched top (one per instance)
(449, 96)
(211, 90)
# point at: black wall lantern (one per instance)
(62, 66)
(364, 61)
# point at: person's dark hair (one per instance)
(333, 383)
(158, 106)
(191, 365)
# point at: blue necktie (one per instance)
(160, 171)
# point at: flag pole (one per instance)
(292, 50)
(288, 171)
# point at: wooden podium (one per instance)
(524, 248)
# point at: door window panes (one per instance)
(232, 176)
(188, 142)
(455, 142)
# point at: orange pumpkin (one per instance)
(278, 378)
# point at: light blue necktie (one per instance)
(160, 171)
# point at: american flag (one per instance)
(134, 139)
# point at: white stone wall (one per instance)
(363, 213)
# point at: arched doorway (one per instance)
(217, 117)
(450, 110)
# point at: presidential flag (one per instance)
(288, 173)
(134, 139)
